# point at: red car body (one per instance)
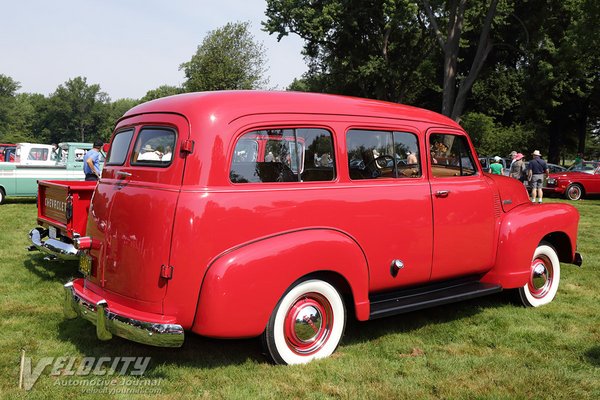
(7, 152)
(577, 183)
(188, 245)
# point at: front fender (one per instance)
(242, 287)
(522, 230)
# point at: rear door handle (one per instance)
(442, 193)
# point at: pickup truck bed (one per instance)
(62, 215)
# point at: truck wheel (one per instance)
(574, 191)
(307, 323)
(2, 196)
(544, 277)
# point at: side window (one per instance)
(38, 154)
(154, 147)
(283, 155)
(451, 156)
(382, 154)
(119, 148)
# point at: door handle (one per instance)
(123, 174)
(442, 193)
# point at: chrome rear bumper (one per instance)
(53, 247)
(109, 323)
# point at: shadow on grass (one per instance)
(593, 356)
(46, 270)
(20, 200)
(202, 352)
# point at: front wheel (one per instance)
(2, 196)
(544, 276)
(574, 192)
(307, 323)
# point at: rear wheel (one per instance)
(307, 323)
(544, 277)
(574, 191)
(2, 195)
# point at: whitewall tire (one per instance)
(544, 277)
(307, 323)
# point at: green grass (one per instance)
(485, 348)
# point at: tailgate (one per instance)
(65, 204)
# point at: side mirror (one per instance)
(106, 148)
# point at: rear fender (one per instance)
(242, 286)
(522, 230)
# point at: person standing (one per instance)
(496, 167)
(536, 170)
(91, 162)
(517, 168)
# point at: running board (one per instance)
(407, 300)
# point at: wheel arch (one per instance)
(562, 244)
(242, 286)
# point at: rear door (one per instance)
(134, 205)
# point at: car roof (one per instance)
(231, 105)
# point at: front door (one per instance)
(464, 215)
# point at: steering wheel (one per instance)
(381, 162)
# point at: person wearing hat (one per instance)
(91, 162)
(149, 154)
(536, 171)
(496, 167)
(517, 168)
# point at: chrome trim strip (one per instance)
(109, 323)
(53, 247)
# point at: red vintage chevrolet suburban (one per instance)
(281, 214)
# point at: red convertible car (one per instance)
(578, 181)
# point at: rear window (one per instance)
(119, 148)
(154, 147)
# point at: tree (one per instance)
(370, 48)
(161, 91)
(227, 59)
(77, 111)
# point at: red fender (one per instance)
(522, 230)
(242, 287)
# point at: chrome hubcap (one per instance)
(308, 323)
(541, 277)
(574, 192)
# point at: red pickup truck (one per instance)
(62, 215)
(281, 214)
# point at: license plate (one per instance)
(85, 264)
(52, 232)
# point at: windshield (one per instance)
(584, 166)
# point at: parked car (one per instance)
(41, 162)
(243, 230)
(578, 181)
(7, 152)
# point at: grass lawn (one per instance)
(486, 348)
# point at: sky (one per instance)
(127, 47)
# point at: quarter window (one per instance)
(283, 155)
(382, 154)
(450, 156)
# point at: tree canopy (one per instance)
(228, 58)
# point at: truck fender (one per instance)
(242, 286)
(521, 231)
